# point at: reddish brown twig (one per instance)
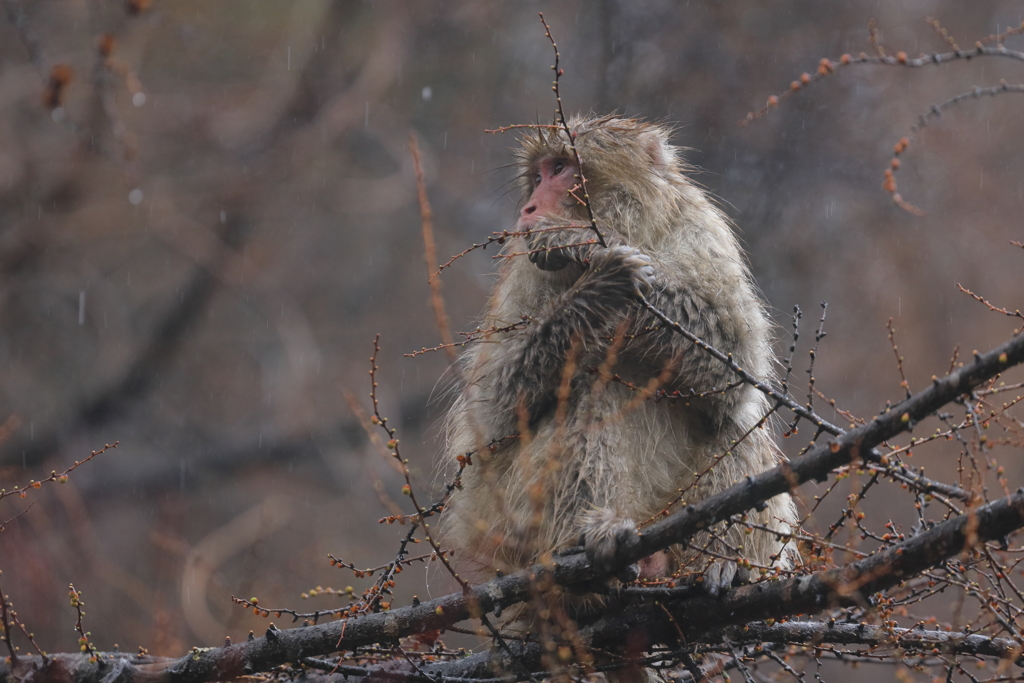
(560, 112)
(60, 477)
(430, 252)
(84, 644)
(992, 307)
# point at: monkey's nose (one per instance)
(527, 210)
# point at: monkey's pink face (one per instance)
(554, 179)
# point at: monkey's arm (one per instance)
(554, 245)
(582, 316)
(693, 370)
(715, 323)
(599, 300)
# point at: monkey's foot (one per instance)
(655, 566)
(719, 576)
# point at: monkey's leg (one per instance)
(603, 530)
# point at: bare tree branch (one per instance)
(849, 585)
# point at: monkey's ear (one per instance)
(657, 147)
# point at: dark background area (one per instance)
(198, 247)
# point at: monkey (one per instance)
(556, 416)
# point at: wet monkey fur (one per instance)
(560, 450)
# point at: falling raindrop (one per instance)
(139, 99)
(135, 196)
(427, 93)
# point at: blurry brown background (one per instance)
(198, 247)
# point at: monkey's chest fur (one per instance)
(601, 450)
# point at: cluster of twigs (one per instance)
(9, 620)
(862, 599)
(983, 48)
(865, 596)
(866, 593)
(55, 477)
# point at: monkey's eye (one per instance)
(536, 179)
(558, 166)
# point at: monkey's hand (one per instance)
(621, 272)
(553, 247)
